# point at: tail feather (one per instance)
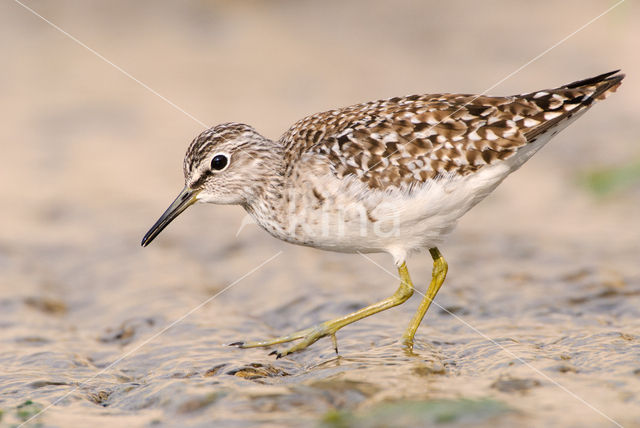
(594, 80)
(562, 103)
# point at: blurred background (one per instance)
(544, 275)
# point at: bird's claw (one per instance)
(277, 353)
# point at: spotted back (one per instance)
(406, 140)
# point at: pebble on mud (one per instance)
(257, 370)
(47, 305)
(510, 385)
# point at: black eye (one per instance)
(219, 162)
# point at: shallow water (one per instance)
(515, 338)
(538, 322)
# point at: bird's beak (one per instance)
(185, 199)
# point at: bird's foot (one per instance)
(308, 336)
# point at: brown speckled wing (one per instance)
(406, 140)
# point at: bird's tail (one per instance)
(562, 103)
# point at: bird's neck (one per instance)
(264, 192)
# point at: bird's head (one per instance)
(225, 164)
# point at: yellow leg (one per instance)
(329, 328)
(437, 278)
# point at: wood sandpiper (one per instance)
(391, 176)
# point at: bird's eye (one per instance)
(219, 162)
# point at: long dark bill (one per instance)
(185, 199)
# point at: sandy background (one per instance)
(548, 267)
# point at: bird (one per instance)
(392, 176)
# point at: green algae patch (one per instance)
(27, 410)
(418, 413)
(610, 180)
